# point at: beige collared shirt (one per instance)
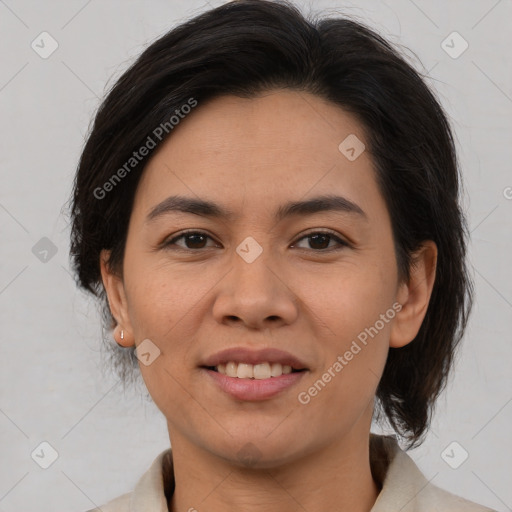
(404, 488)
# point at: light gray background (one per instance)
(51, 385)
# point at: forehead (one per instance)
(280, 143)
(282, 122)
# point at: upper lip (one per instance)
(245, 355)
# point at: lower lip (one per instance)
(254, 389)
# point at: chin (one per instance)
(259, 453)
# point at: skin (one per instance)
(251, 156)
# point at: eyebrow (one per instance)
(204, 208)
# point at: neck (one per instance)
(337, 477)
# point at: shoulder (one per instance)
(405, 488)
(436, 499)
(148, 494)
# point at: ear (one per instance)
(114, 287)
(414, 296)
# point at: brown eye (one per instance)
(193, 240)
(320, 240)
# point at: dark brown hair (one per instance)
(251, 46)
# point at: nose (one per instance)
(255, 295)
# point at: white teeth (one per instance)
(287, 369)
(262, 371)
(231, 369)
(256, 371)
(245, 371)
(276, 369)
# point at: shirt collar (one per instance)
(403, 486)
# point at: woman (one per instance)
(268, 207)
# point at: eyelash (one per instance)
(331, 234)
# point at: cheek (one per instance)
(166, 305)
(344, 385)
(350, 297)
(161, 296)
(353, 315)
(162, 309)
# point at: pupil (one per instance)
(320, 236)
(196, 237)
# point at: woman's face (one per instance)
(317, 282)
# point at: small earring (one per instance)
(120, 343)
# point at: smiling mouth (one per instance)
(253, 371)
